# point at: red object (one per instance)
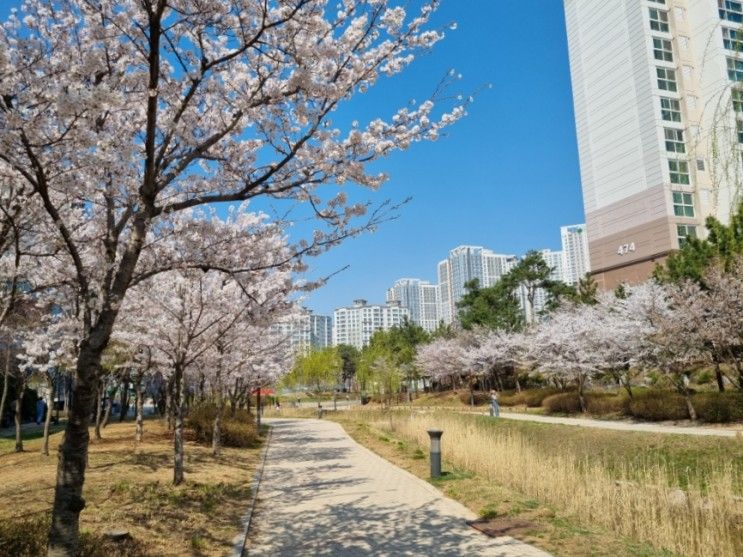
(264, 392)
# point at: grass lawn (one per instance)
(129, 488)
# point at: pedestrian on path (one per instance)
(494, 406)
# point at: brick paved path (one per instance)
(322, 494)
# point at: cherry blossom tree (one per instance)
(120, 115)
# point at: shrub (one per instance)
(603, 404)
(716, 407)
(533, 398)
(562, 403)
(237, 431)
(656, 405)
(24, 537)
(481, 398)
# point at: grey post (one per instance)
(319, 410)
(435, 435)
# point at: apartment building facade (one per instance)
(657, 105)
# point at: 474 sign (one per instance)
(626, 248)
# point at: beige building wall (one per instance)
(626, 181)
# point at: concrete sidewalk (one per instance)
(322, 494)
(624, 426)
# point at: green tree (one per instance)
(724, 243)
(532, 273)
(350, 357)
(494, 307)
(587, 290)
(318, 370)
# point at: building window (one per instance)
(739, 130)
(737, 96)
(732, 11)
(679, 172)
(685, 231)
(658, 20)
(662, 49)
(683, 204)
(670, 109)
(666, 79)
(732, 39)
(700, 165)
(674, 140)
(735, 69)
(657, 1)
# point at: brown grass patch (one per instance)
(129, 487)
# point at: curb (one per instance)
(241, 541)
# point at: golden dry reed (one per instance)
(688, 522)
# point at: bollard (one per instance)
(319, 411)
(435, 435)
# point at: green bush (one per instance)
(562, 403)
(481, 398)
(606, 404)
(533, 398)
(716, 407)
(657, 405)
(237, 431)
(25, 537)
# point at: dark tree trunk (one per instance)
(48, 417)
(139, 409)
(18, 416)
(124, 410)
(107, 414)
(179, 404)
(217, 432)
(99, 410)
(257, 408)
(581, 396)
(6, 378)
(73, 454)
(718, 376)
(170, 402)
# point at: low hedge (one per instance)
(719, 407)
(481, 398)
(236, 431)
(656, 405)
(532, 398)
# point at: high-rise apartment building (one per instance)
(420, 297)
(355, 325)
(305, 331)
(463, 264)
(657, 106)
(575, 262)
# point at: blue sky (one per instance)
(506, 177)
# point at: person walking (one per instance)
(494, 406)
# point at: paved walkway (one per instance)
(624, 426)
(322, 494)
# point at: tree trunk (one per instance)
(107, 414)
(6, 379)
(48, 417)
(257, 408)
(18, 417)
(139, 408)
(690, 406)
(169, 402)
(99, 411)
(581, 396)
(217, 432)
(73, 453)
(124, 396)
(718, 376)
(180, 403)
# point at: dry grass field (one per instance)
(589, 492)
(129, 487)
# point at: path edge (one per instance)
(242, 540)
